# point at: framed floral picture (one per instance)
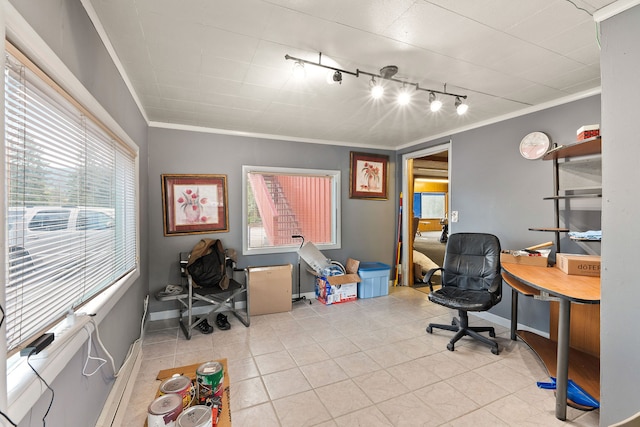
(194, 204)
(368, 176)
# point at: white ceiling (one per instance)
(221, 65)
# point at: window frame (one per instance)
(336, 196)
(20, 389)
(44, 124)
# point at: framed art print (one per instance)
(368, 176)
(194, 204)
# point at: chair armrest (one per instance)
(497, 282)
(427, 277)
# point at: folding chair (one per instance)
(191, 298)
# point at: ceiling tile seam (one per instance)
(498, 30)
(93, 16)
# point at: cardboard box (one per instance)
(589, 131)
(224, 416)
(337, 289)
(518, 257)
(579, 265)
(269, 289)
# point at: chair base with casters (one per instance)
(471, 282)
(212, 299)
(462, 328)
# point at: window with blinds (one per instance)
(282, 205)
(71, 203)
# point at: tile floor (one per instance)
(364, 363)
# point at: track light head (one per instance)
(298, 70)
(337, 77)
(461, 107)
(404, 97)
(376, 89)
(434, 103)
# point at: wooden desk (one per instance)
(552, 284)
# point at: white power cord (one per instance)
(90, 357)
(113, 365)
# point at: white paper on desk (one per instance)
(543, 253)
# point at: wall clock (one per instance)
(534, 145)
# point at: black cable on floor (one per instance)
(44, 423)
(5, 416)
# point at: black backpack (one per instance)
(209, 270)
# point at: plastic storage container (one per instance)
(375, 279)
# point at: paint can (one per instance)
(209, 380)
(195, 416)
(164, 410)
(181, 385)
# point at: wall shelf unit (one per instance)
(580, 148)
(579, 179)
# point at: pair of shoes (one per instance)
(222, 322)
(204, 326)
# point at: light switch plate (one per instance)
(454, 216)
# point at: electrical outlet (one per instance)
(454, 216)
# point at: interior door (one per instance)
(433, 164)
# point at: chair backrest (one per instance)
(472, 261)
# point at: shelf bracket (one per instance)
(546, 296)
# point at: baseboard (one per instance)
(198, 311)
(113, 412)
(507, 322)
(309, 297)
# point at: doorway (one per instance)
(425, 182)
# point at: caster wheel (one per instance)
(450, 347)
(429, 329)
(492, 334)
(494, 351)
(453, 323)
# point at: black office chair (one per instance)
(471, 281)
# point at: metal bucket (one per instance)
(196, 416)
(164, 411)
(209, 381)
(181, 385)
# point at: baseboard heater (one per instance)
(113, 412)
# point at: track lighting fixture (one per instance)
(377, 90)
(387, 73)
(434, 103)
(461, 107)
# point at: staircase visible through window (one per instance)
(281, 203)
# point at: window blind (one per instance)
(71, 215)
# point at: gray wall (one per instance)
(619, 348)
(368, 226)
(492, 187)
(497, 191)
(66, 28)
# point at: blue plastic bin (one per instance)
(375, 279)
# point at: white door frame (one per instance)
(405, 194)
